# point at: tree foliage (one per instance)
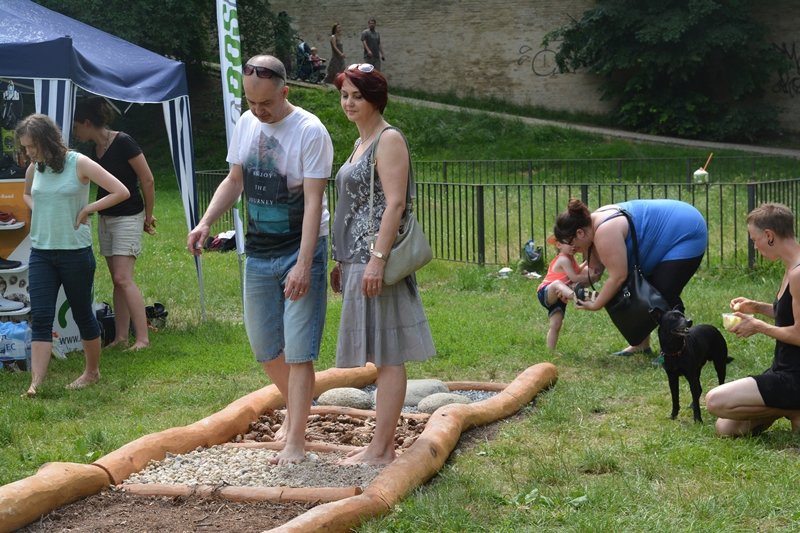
(263, 31)
(184, 29)
(695, 68)
(175, 28)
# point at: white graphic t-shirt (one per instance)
(275, 159)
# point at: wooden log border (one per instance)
(58, 484)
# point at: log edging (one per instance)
(58, 484)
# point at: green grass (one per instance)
(597, 452)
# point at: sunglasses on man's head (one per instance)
(261, 72)
(366, 68)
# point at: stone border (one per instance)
(58, 484)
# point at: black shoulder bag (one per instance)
(631, 309)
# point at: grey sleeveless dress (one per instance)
(389, 329)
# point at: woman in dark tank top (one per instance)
(750, 405)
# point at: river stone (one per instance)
(417, 389)
(346, 397)
(431, 403)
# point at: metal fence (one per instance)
(483, 212)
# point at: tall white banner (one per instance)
(230, 62)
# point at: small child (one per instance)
(316, 61)
(556, 288)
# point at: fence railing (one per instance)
(488, 223)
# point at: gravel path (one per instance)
(251, 467)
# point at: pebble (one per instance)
(473, 395)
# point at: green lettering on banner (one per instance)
(230, 18)
(234, 77)
(233, 50)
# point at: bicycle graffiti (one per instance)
(788, 82)
(543, 62)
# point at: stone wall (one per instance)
(493, 48)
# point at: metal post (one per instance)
(481, 224)
(751, 204)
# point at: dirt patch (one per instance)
(114, 511)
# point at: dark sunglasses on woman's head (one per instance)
(261, 72)
(366, 68)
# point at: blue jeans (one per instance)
(276, 324)
(48, 270)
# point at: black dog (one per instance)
(686, 349)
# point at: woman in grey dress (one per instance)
(381, 324)
(336, 64)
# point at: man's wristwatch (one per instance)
(378, 254)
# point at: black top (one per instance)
(121, 150)
(787, 356)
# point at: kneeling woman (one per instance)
(384, 325)
(750, 405)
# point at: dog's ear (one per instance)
(677, 307)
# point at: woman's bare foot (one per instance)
(280, 435)
(364, 456)
(84, 381)
(289, 456)
(117, 342)
(138, 346)
(30, 393)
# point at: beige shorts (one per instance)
(120, 235)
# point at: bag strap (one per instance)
(409, 202)
(635, 242)
(632, 226)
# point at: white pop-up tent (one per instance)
(56, 54)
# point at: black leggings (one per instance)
(670, 277)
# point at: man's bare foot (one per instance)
(364, 456)
(289, 456)
(138, 346)
(84, 381)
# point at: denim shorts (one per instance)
(48, 271)
(557, 306)
(276, 324)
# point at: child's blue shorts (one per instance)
(557, 306)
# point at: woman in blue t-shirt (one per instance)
(57, 193)
(672, 237)
(119, 228)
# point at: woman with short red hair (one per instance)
(381, 324)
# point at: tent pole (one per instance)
(199, 267)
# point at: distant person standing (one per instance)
(371, 40)
(336, 64)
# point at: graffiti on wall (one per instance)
(543, 62)
(788, 82)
